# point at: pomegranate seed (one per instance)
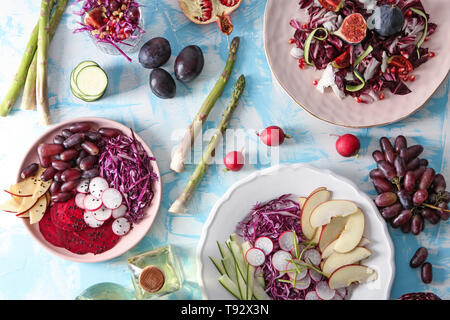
(305, 26)
(412, 78)
(431, 54)
(401, 70)
(358, 99)
(291, 40)
(393, 70)
(380, 73)
(404, 54)
(315, 82)
(381, 96)
(427, 38)
(301, 60)
(409, 13)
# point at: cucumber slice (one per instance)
(241, 284)
(91, 81)
(218, 264)
(230, 286)
(250, 281)
(227, 261)
(73, 86)
(236, 251)
(259, 293)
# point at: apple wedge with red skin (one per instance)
(331, 231)
(337, 260)
(352, 233)
(353, 273)
(329, 250)
(322, 213)
(316, 197)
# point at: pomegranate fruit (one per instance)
(332, 5)
(209, 11)
(353, 28)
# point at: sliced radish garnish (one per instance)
(324, 291)
(280, 259)
(91, 221)
(83, 186)
(286, 240)
(97, 186)
(312, 295)
(265, 244)
(102, 214)
(303, 284)
(120, 211)
(112, 198)
(312, 256)
(79, 200)
(342, 292)
(315, 275)
(255, 257)
(300, 249)
(121, 226)
(91, 203)
(298, 275)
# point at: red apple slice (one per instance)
(38, 210)
(352, 233)
(337, 260)
(317, 197)
(331, 231)
(346, 275)
(28, 186)
(326, 210)
(329, 250)
(301, 201)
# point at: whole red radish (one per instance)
(347, 145)
(273, 136)
(234, 160)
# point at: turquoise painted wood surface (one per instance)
(27, 271)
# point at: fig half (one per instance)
(209, 11)
(353, 28)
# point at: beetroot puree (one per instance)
(63, 226)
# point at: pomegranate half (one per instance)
(209, 11)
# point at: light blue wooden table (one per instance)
(27, 271)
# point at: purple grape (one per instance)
(419, 197)
(400, 166)
(400, 143)
(426, 179)
(409, 182)
(382, 184)
(29, 171)
(419, 172)
(387, 169)
(427, 273)
(419, 257)
(443, 210)
(377, 155)
(391, 211)
(423, 162)
(386, 199)
(417, 224)
(376, 173)
(413, 164)
(431, 215)
(402, 218)
(439, 184)
(406, 227)
(411, 152)
(387, 149)
(405, 199)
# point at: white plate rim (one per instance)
(269, 171)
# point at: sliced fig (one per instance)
(353, 28)
(209, 11)
(332, 5)
(94, 18)
(343, 60)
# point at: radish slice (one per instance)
(280, 258)
(121, 226)
(91, 203)
(255, 257)
(300, 249)
(303, 284)
(79, 200)
(315, 275)
(286, 241)
(337, 297)
(97, 186)
(83, 186)
(265, 244)
(313, 255)
(299, 275)
(90, 220)
(312, 295)
(120, 211)
(324, 291)
(112, 198)
(342, 292)
(102, 214)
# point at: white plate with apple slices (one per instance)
(300, 180)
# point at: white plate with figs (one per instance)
(300, 181)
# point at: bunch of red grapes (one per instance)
(409, 192)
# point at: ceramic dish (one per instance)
(299, 180)
(128, 241)
(347, 112)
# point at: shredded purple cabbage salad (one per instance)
(271, 219)
(127, 167)
(110, 21)
(378, 70)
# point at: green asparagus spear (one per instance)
(179, 206)
(179, 157)
(29, 90)
(42, 65)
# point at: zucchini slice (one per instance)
(91, 81)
